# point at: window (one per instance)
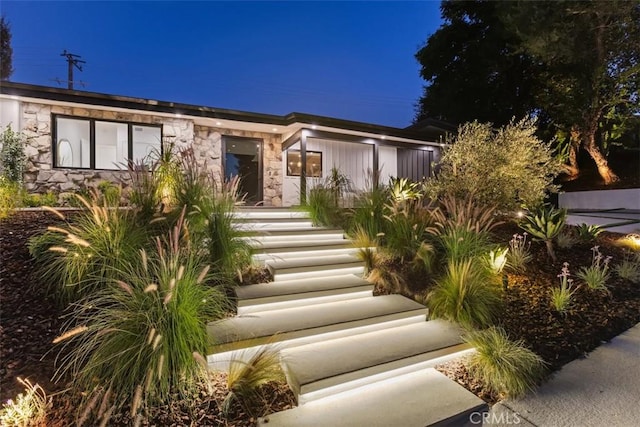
(314, 163)
(99, 144)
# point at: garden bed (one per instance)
(29, 321)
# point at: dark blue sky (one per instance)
(351, 60)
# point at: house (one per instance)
(76, 138)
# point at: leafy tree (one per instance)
(574, 65)
(12, 157)
(589, 77)
(6, 52)
(507, 167)
(472, 69)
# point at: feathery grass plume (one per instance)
(245, 378)
(73, 332)
(89, 251)
(146, 337)
(465, 212)
(28, 409)
(54, 211)
(465, 295)
(367, 248)
(506, 367)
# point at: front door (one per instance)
(243, 158)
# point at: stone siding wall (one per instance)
(206, 143)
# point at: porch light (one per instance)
(275, 129)
(314, 127)
(218, 123)
(178, 116)
(383, 137)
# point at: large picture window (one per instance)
(98, 144)
(314, 163)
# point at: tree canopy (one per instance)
(572, 64)
(6, 52)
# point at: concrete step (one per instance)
(288, 246)
(303, 325)
(314, 266)
(309, 253)
(416, 399)
(270, 216)
(316, 370)
(291, 293)
(298, 233)
(264, 227)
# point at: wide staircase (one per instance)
(351, 358)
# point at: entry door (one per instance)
(243, 158)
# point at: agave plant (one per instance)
(588, 232)
(545, 223)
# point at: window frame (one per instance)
(308, 152)
(92, 140)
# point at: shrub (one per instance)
(629, 268)
(369, 208)
(597, 274)
(141, 337)
(465, 212)
(110, 193)
(9, 196)
(407, 225)
(89, 250)
(244, 379)
(227, 252)
(320, 206)
(497, 260)
(458, 243)
(37, 199)
(12, 157)
(566, 239)
(167, 175)
(588, 233)
(144, 194)
(506, 367)
(507, 168)
(545, 223)
(518, 256)
(465, 295)
(562, 297)
(29, 409)
(367, 248)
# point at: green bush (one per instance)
(597, 274)
(629, 268)
(144, 195)
(507, 168)
(518, 256)
(9, 196)
(562, 297)
(458, 243)
(566, 239)
(12, 157)
(89, 250)
(506, 367)
(465, 295)
(407, 225)
(110, 192)
(228, 253)
(369, 208)
(244, 379)
(320, 206)
(545, 223)
(588, 233)
(141, 336)
(36, 199)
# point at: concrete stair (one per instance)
(348, 356)
(416, 399)
(316, 370)
(322, 321)
(292, 293)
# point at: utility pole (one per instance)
(73, 61)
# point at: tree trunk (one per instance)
(601, 161)
(571, 168)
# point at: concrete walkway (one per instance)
(600, 390)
